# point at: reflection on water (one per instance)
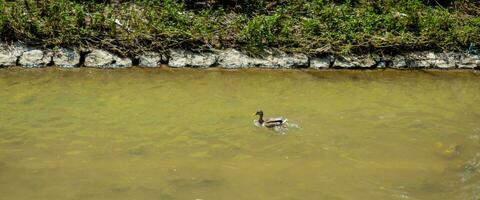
(188, 134)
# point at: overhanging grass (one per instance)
(296, 26)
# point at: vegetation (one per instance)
(313, 26)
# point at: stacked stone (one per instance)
(16, 54)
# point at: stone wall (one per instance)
(19, 55)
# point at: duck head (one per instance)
(259, 113)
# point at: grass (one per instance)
(311, 26)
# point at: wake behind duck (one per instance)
(278, 124)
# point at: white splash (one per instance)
(279, 129)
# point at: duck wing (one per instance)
(272, 122)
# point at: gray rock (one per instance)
(271, 60)
(321, 62)
(150, 59)
(102, 59)
(7, 58)
(341, 62)
(383, 61)
(179, 58)
(66, 57)
(121, 62)
(18, 49)
(398, 62)
(469, 61)
(296, 60)
(203, 60)
(445, 64)
(420, 59)
(35, 58)
(377, 58)
(9, 54)
(364, 61)
(411, 63)
(182, 58)
(98, 58)
(233, 59)
(381, 64)
(431, 56)
(278, 59)
(445, 60)
(266, 62)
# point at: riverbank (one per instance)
(130, 28)
(31, 57)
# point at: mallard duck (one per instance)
(269, 122)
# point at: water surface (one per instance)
(188, 134)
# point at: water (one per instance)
(188, 134)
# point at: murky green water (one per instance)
(188, 134)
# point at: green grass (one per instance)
(312, 26)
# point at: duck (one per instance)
(269, 122)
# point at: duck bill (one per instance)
(253, 114)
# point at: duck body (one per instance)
(269, 122)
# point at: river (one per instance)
(188, 134)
